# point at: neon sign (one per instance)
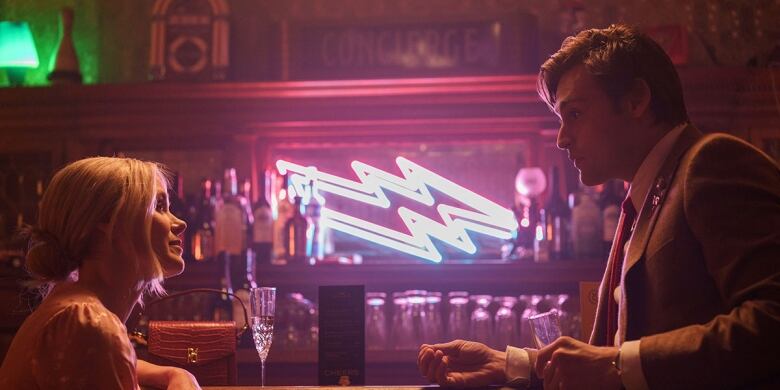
(488, 218)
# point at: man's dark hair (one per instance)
(617, 56)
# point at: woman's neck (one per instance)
(112, 288)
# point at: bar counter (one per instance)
(318, 387)
(334, 387)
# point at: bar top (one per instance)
(336, 387)
(317, 387)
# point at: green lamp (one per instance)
(17, 50)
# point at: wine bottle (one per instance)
(557, 220)
(609, 202)
(295, 236)
(232, 218)
(246, 268)
(541, 243)
(316, 234)
(202, 243)
(284, 210)
(586, 226)
(262, 230)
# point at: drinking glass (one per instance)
(402, 329)
(417, 316)
(505, 323)
(459, 317)
(434, 324)
(376, 327)
(481, 320)
(545, 328)
(263, 304)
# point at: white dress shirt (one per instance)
(518, 369)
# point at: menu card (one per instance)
(342, 342)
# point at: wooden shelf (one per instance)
(494, 277)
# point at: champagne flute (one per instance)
(263, 304)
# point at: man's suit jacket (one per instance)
(701, 279)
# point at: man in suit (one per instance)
(691, 294)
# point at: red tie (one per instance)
(623, 233)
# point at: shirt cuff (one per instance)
(631, 373)
(518, 367)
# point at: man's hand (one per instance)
(462, 363)
(568, 363)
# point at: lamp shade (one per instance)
(17, 48)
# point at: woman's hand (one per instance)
(164, 377)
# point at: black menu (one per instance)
(342, 345)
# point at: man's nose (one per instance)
(564, 140)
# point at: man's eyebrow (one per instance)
(561, 104)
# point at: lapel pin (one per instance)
(660, 187)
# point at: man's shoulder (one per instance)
(715, 148)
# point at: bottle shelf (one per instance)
(495, 277)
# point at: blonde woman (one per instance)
(104, 238)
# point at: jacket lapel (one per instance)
(648, 215)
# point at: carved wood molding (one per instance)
(731, 99)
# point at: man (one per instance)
(691, 294)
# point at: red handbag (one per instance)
(207, 349)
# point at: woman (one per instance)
(105, 236)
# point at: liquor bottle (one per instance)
(316, 234)
(284, 210)
(202, 243)
(247, 273)
(262, 230)
(541, 243)
(11, 216)
(586, 226)
(609, 202)
(222, 306)
(233, 218)
(295, 236)
(6, 210)
(557, 220)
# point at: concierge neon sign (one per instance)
(485, 217)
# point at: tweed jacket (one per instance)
(700, 284)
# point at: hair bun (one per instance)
(46, 259)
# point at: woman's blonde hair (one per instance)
(115, 195)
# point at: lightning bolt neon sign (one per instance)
(489, 218)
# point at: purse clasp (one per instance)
(192, 355)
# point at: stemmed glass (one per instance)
(263, 304)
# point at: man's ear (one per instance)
(638, 98)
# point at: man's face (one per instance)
(595, 132)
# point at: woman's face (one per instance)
(166, 235)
